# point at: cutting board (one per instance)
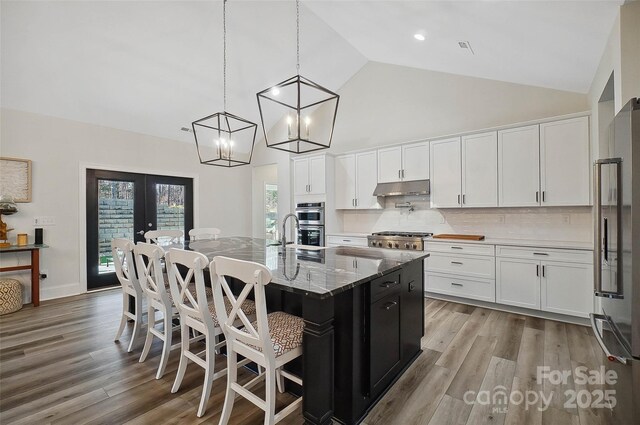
(460, 237)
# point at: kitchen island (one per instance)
(363, 312)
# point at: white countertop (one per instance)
(588, 246)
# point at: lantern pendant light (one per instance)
(301, 114)
(224, 139)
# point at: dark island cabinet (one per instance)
(378, 327)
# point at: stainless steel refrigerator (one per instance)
(617, 262)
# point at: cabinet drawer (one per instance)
(385, 285)
(545, 254)
(346, 241)
(478, 289)
(459, 248)
(465, 265)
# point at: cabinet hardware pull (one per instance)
(543, 195)
(388, 284)
(346, 240)
(537, 270)
(399, 174)
(412, 286)
(456, 247)
(463, 199)
(458, 199)
(540, 253)
(537, 195)
(456, 262)
(356, 202)
(388, 305)
(543, 271)
(403, 174)
(457, 284)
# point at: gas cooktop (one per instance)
(398, 240)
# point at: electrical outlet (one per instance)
(46, 220)
(44, 273)
(566, 218)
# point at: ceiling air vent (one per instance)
(466, 45)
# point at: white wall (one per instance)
(262, 175)
(386, 104)
(58, 147)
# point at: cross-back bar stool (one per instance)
(271, 341)
(197, 313)
(122, 253)
(165, 236)
(204, 233)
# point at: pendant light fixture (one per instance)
(301, 114)
(224, 139)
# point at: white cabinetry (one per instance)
(464, 171)
(546, 164)
(403, 163)
(519, 167)
(356, 179)
(480, 170)
(309, 175)
(333, 240)
(564, 162)
(446, 173)
(554, 280)
(462, 270)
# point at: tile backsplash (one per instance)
(542, 223)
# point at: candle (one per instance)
(307, 121)
(289, 127)
(218, 148)
(230, 148)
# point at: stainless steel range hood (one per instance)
(415, 187)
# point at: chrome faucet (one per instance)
(283, 239)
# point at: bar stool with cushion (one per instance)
(122, 253)
(163, 236)
(272, 341)
(149, 263)
(10, 296)
(197, 313)
(204, 233)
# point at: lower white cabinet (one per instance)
(346, 241)
(566, 288)
(518, 282)
(477, 289)
(563, 287)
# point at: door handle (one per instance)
(543, 195)
(399, 176)
(141, 232)
(543, 271)
(463, 199)
(458, 199)
(538, 270)
(537, 195)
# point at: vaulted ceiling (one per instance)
(153, 67)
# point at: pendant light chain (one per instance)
(224, 55)
(298, 36)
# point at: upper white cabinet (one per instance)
(464, 171)
(564, 162)
(480, 170)
(356, 179)
(446, 173)
(519, 167)
(546, 164)
(403, 163)
(309, 175)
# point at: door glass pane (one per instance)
(115, 218)
(170, 207)
(271, 211)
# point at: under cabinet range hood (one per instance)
(414, 187)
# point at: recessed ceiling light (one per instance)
(419, 36)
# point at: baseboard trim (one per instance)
(511, 309)
(60, 291)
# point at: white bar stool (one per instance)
(204, 233)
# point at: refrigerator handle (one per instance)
(597, 251)
(599, 244)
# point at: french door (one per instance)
(126, 205)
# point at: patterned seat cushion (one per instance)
(10, 296)
(248, 306)
(285, 331)
(192, 289)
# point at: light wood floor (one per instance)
(59, 364)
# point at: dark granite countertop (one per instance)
(318, 273)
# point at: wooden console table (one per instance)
(34, 267)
